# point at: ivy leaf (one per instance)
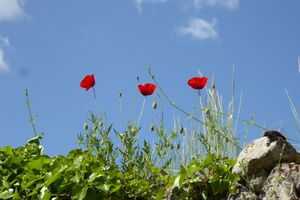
(105, 187)
(160, 193)
(79, 191)
(45, 194)
(35, 140)
(6, 194)
(217, 184)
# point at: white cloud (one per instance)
(139, 3)
(5, 41)
(3, 65)
(11, 9)
(231, 4)
(199, 29)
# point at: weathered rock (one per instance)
(282, 183)
(243, 193)
(272, 133)
(269, 168)
(263, 154)
(257, 181)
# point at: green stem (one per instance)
(206, 137)
(133, 106)
(95, 99)
(30, 113)
(142, 110)
(240, 119)
(120, 108)
(183, 111)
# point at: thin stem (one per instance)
(120, 108)
(133, 106)
(240, 119)
(95, 99)
(30, 113)
(142, 110)
(206, 133)
(183, 111)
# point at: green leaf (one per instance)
(156, 171)
(45, 194)
(50, 178)
(116, 188)
(94, 176)
(192, 169)
(5, 183)
(35, 140)
(77, 161)
(36, 164)
(79, 191)
(16, 196)
(105, 187)
(176, 181)
(76, 177)
(31, 181)
(217, 184)
(8, 150)
(92, 194)
(160, 193)
(6, 194)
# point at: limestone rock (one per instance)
(282, 183)
(257, 181)
(263, 154)
(243, 193)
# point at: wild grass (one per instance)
(117, 164)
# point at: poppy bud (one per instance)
(207, 111)
(181, 129)
(213, 86)
(26, 92)
(152, 127)
(154, 105)
(95, 128)
(101, 123)
(134, 130)
(85, 126)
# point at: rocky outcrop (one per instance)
(282, 183)
(262, 154)
(269, 168)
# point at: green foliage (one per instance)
(27, 174)
(207, 178)
(129, 168)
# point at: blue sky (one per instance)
(49, 46)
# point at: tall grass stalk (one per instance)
(31, 118)
(214, 134)
(294, 110)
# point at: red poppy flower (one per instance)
(197, 83)
(88, 82)
(147, 89)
